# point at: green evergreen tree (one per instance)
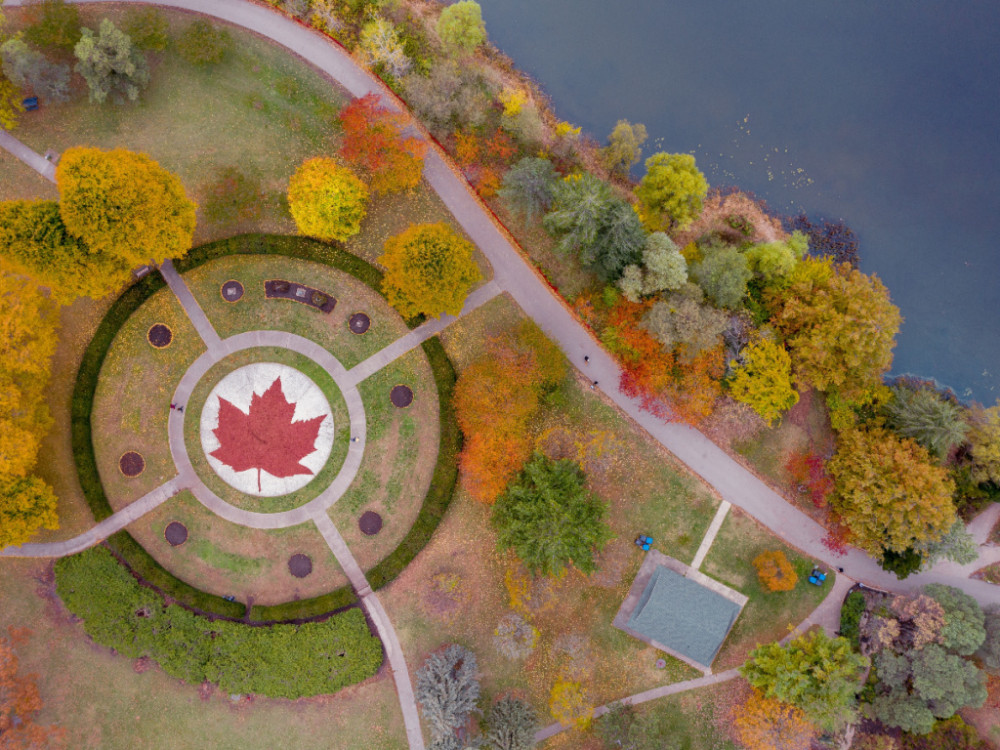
(447, 689)
(936, 423)
(111, 64)
(511, 725)
(528, 187)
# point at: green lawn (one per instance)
(192, 430)
(399, 458)
(224, 558)
(769, 615)
(104, 704)
(255, 312)
(132, 401)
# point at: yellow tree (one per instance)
(768, 724)
(889, 493)
(984, 437)
(429, 270)
(124, 206)
(26, 505)
(327, 200)
(671, 192)
(764, 381)
(838, 324)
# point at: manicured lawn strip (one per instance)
(133, 396)
(768, 614)
(432, 511)
(192, 430)
(280, 661)
(226, 559)
(255, 312)
(105, 702)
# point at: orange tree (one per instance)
(839, 325)
(888, 492)
(429, 270)
(496, 399)
(327, 200)
(19, 702)
(768, 724)
(374, 142)
(125, 208)
(775, 571)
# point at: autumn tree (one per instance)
(10, 103)
(126, 209)
(447, 688)
(775, 571)
(550, 519)
(148, 28)
(496, 398)
(570, 704)
(935, 422)
(839, 326)
(663, 269)
(984, 442)
(110, 64)
(203, 44)
(461, 26)
(28, 68)
(429, 270)
(889, 493)
(374, 143)
(57, 24)
(671, 192)
(20, 701)
(776, 260)
(382, 47)
(814, 673)
(723, 273)
(450, 96)
(26, 505)
(964, 630)
(764, 380)
(624, 147)
(682, 320)
(529, 187)
(763, 723)
(602, 229)
(949, 734)
(327, 200)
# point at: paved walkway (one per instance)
(194, 312)
(713, 531)
(34, 160)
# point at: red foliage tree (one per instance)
(807, 469)
(374, 143)
(19, 702)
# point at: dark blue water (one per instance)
(882, 113)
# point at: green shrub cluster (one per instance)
(850, 618)
(279, 661)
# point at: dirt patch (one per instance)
(159, 336)
(737, 218)
(176, 533)
(232, 291)
(300, 565)
(279, 289)
(131, 464)
(360, 323)
(370, 523)
(401, 396)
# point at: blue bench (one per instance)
(30, 104)
(644, 542)
(817, 577)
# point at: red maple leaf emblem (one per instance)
(266, 438)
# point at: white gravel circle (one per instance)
(238, 388)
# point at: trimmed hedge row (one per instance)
(279, 661)
(132, 553)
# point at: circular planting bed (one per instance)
(300, 565)
(401, 396)
(360, 323)
(232, 291)
(159, 335)
(176, 534)
(131, 464)
(370, 523)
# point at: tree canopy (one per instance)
(663, 269)
(768, 724)
(20, 701)
(935, 422)
(815, 673)
(549, 519)
(447, 688)
(984, 442)
(126, 209)
(429, 270)
(888, 492)
(511, 725)
(528, 187)
(624, 147)
(671, 192)
(764, 380)
(374, 142)
(839, 326)
(110, 64)
(461, 26)
(723, 273)
(327, 200)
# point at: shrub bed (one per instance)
(850, 617)
(279, 661)
(132, 554)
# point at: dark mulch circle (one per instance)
(401, 396)
(300, 565)
(360, 323)
(370, 523)
(132, 464)
(159, 335)
(176, 533)
(232, 291)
